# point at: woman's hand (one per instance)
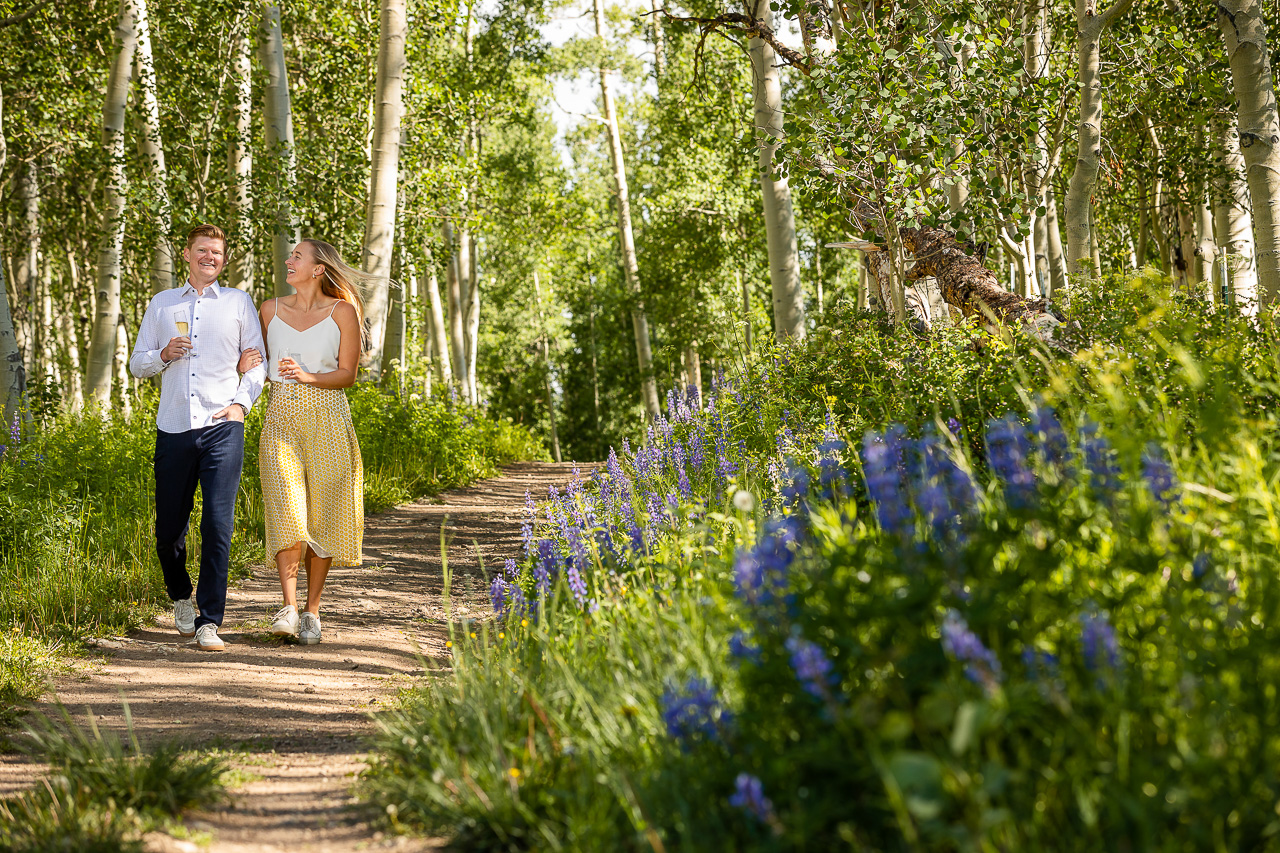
(249, 359)
(289, 369)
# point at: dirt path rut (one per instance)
(295, 717)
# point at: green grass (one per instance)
(103, 793)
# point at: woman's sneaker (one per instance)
(207, 639)
(309, 632)
(184, 617)
(286, 622)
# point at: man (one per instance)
(193, 337)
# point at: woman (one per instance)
(312, 479)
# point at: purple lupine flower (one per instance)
(697, 453)
(748, 795)
(498, 595)
(880, 461)
(1049, 434)
(1041, 666)
(1008, 451)
(1159, 475)
(812, 667)
(526, 526)
(694, 712)
(626, 446)
(956, 429)
(693, 399)
(546, 567)
(1104, 474)
(1098, 641)
(577, 585)
(963, 645)
(741, 647)
(1200, 565)
(509, 570)
(760, 573)
(833, 480)
(795, 485)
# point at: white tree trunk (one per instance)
(779, 217)
(102, 341)
(1206, 247)
(626, 239)
(121, 360)
(26, 282)
(453, 280)
(1233, 226)
(546, 361)
(13, 378)
(437, 335)
(1245, 32)
(693, 366)
(1057, 257)
(277, 122)
(67, 314)
(384, 170)
(240, 266)
(151, 148)
(1089, 139)
(472, 328)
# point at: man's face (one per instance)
(205, 258)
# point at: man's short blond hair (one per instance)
(213, 232)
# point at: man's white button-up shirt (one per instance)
(222, 323)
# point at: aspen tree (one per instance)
(1245, 33)
(626, 238)
(380, 221)
(13, 376)
(1084, 177)
(779, 216)
(240, 265)
(278, 125)
(152, 150)
(106, 319)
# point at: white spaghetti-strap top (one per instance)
(315, 350)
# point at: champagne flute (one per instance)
(180, 321)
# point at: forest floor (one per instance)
(293, 720)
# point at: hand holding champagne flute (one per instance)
(179, 346)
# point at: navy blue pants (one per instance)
(210, 457)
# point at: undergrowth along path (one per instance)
(294, 717)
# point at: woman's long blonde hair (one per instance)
(341, 280)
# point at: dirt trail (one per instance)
(301, 713)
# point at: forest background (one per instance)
(420, 138)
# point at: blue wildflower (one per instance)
(1200, 565)
(577, 585)
(964, 646)
(1007, 451)
(748, 795)
(546, 567)
(1159, 475)
(509, 569)
(1098, 641)
(1104, 474)
(1049, 434)
(812, 667)
(498, 595)
(760, 573)
(741, 647)
(694, 712)
(881, 459)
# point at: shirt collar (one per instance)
(210, 291)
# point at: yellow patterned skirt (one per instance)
(312, 476)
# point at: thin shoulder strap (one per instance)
(275, 307)
(335, 307)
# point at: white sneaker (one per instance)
(184, 617)
(286, 622)
(309, 632)
(207, 639)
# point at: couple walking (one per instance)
(205, 341)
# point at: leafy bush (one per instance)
(789, 622)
